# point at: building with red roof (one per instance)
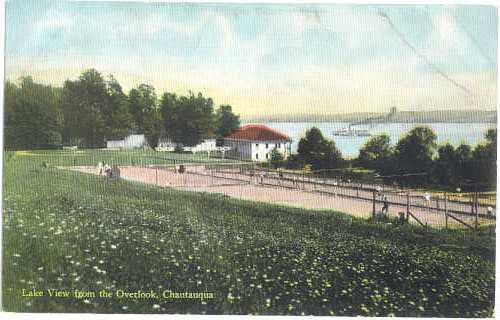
(256, 141)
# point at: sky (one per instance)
(267, 59)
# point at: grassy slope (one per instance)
(130, 157)
(256, 258)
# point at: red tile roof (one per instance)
(258, 132)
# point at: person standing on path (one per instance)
(385, 207)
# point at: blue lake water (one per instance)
(455, 133)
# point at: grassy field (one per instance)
(67, 230)
(111, 157)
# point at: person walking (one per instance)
(107, 170)
(99, 166)
(385, 207)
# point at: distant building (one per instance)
(208, 145)
(204, 146)
(165, 144)
(133, 141)
(255, 142)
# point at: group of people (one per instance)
(104, 169)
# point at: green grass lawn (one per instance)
(111, 157)
(68, 230)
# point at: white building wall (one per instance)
(256, 150)
(240, 149)
(115, 144)
(135, 141)
(261, 151)
(205, 145)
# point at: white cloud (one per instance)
(237, 76)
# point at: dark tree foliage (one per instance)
(414, 152)
(464, 168)
(188, 119)
(152, 127)
(143, 107)
(142, 101)
(317, 151)
(32, 116)
(276, 158)
(119, 121)
(446, 166)
(484, 161)
(377, 154)
(168, 110)
(225, 121)
(84, 106)
(91, 110)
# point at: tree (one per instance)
(33, 120)
(119, 121)
(464, 163)
(414, 151)
(188, 119)
(11, 96)
(85, 106)
(376, 153)
(142, 100)
(152, 127)
(168, 110)
(225, 121)
(317, 151)
(484, 159)
(491, 136)
(276, 158)
(446, 166)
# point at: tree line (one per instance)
(415, 159)
(93, 109)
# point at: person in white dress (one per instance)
(99, 168)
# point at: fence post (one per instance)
(407, 206)
(472, 204)
(475, 209)
(446, 211)
(156, 176)
(212, 175)
(374, 197)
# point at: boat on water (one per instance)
(350, 132)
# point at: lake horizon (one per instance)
(455, 133)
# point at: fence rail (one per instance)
(468, 213)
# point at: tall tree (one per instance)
(276, 158)
(168, 110)
(33, 120)
(225, 121)
(415, 150)
(464, 162)
(119, 121)
(84, 106)
(317, 151)
(188, 119)
(142, 100)
(376, 153)
(153, 127)
(446, 166)
(11, 95)
(484, 161)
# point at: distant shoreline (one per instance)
(440, 116)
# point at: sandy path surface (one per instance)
(249, 189)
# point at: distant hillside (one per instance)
(452, 116)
